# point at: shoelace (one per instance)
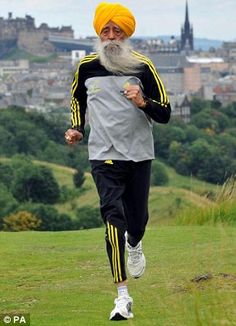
(135, 253)
(119, 302)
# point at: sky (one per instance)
(212, 19)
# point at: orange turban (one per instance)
(119, 14)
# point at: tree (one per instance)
(27, 138)
(176, 151)
(6, 175)
(204, 120)
(159, 176)
(57, 151)
(72, 157)
(163, 136)
(193, 133)
(230, 111)
(198, 152)
(21, 221)
(7, 144)
(179, 158)
(208, 163)
(217, 168)
(7, 203)
(222, 120)
(39, 135)
(198, 104)
(79, 178)
(227, 144)
(215, 104)
(36, 184)
(177, 134)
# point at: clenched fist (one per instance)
(134, 93)
(72, 136)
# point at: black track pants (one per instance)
(123, 188)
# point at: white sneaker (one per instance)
(122, 310)
(136, 260)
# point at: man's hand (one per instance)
(134, 93)
(72, 136)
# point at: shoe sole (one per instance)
(117, 316)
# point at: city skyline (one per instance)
(153, 19)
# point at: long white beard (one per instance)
(116, 56)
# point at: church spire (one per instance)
(186, 14)
(186, 23)
(186, 32)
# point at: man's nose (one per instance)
(111, 35)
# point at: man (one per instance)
(123, 94)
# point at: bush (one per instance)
(159, 176)
(21, 221)
(87, 218)
(51, 220)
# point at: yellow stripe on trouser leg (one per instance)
(115, 274)
(116, 263)
(118, 255)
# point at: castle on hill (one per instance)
(22, 33)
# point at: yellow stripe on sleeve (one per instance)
(161, 88)
(86, 59)
(75, 107)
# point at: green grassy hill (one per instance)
(165, 203)
(181, 193)
(63, 278)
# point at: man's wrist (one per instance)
(144, 104)
(79, 130)
(79, 136)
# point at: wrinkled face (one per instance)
(111, 32)
(115, 52)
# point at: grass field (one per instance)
(63, 279)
